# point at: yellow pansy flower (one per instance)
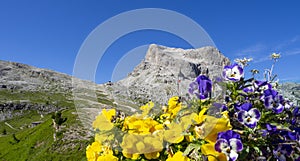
(103, 121)
(109, 114)
(207, 127)
(174, 102)
(178, 156)
(138, 124)
(131, 156)
(153, 155)
(174, 134)
(108, 157)
(211, 153)
(146, 108)
(92, 151)
(200, 117)
(153, 146)
(149, 145)
(101, 137)
(213, 126)
(174, 106)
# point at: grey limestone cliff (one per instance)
(166, 72)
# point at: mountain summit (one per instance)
(166, 72)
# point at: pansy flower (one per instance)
(262, 85)
(233, 72)
(274, 101)
(248, 116)
(258, 86)
(270, 130)
(289, 135)
(288, 104)
(201, 87)
(229, 143)
(249, 89)
(282, 151)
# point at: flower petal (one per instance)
(242, 115)
(221, 145)
(233, 155)
(254, 113)
(236, 144)
(228, 135)
(278, 109)
(268, 102)
(251, 123)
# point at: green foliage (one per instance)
(4, 132)
(15, 138)
(59, 120)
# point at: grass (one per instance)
(38, 97)
(37, 143)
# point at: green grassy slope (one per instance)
(37, 143)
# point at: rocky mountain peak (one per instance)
(168, 71)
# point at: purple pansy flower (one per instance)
(270, 129)
(233, 72)
(288, 104)
(258, 86)
(229, 143)
(289, 135)
(201, 87)
(249, 89)
(248, 116)
(282, 151)
(262, 85)
(273, 100)
(245, 106)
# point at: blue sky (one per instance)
(49, 34)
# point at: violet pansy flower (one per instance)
(233, 72)
(282, 151)
(229, 143)
(201, 87)
(258, 86)
(262, 85)
(274, 101)
(248, 116)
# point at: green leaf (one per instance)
(247, 149)
(257, 150)
(190, 148)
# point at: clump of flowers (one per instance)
(252, 121)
